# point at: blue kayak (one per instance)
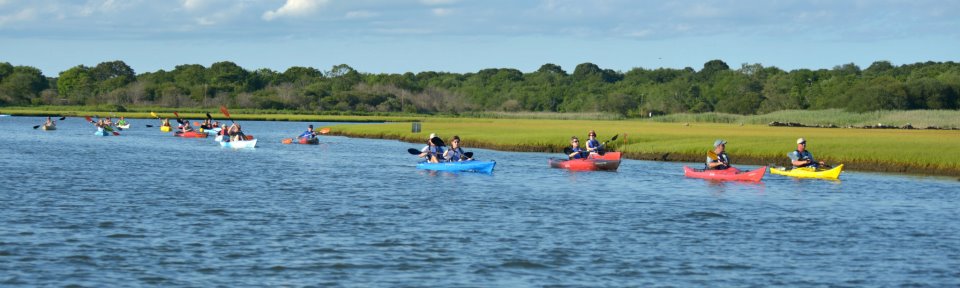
(469, 165)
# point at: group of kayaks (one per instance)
(734, 174)
(248, 142)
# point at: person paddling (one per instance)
(802, 157)
(455, 153)
(309, 134)
(717, 158)
(122, 122)
(236, 133)
(165, 122)
(186, 127)
(432, 151)
(593, 145)
(49, 123)
(575, 151)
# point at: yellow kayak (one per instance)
(164, 128)
(805, 172)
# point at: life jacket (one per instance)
(594, 144)
(804, 156)
(457, 154)
(581, 153)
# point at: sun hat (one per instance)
(801, 140)
(719, 142)
(432, 135)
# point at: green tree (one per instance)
(76, 84)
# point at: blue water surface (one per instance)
(147, 208)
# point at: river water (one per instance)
(147, 208)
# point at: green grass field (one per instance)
(911, 151)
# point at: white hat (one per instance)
(801, 140)
(432, 135)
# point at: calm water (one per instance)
(147, 208)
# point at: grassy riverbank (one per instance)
(909, 151)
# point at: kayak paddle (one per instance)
(287, 141)
(437, 141)
(223, 109)
(324, 130)
(63, 118)
(413, 151)
(38, 126)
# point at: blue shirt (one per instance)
(308, 134)
(593, 144)
(582, 153)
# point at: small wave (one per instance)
(730, 266)
(106, 224)
(705, 215)
(521, 263)
(153, 279)
(124, 235)
(220, 212)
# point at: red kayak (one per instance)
(309, 141)
(732, 174)
(191, 134)
(609, 161)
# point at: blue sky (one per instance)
(382, 36)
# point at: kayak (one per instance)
(460, 166)
(164, 128)
(731, 173)
(191, 134)
(239, 144)
(805, 172)
(609, 161)
(51, 127)
(311, 141)
(102, 133)
(211, 132)
(125, 126)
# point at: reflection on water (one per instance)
(147, 208)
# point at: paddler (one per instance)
(165, 122)
(455, 153)
(49, 122)
(593, 145)
(802, 157)
(717, 158)
(121, 122)
(309, 134)
(575, 151)
(432, 151)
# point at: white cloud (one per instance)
(193, 5)
(441, 11)
(23, 15)
(361, 14)
(295, 8)
(437, 2)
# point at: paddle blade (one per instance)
(176, 114)
(437, 141)
(209, 117)
(195, 123)
(287, 141)
(223, 109)
(413, 151)
(154, 115)
(116, 134)
(712, 155)
(567, 150)
(324, 130)
(468, 154)
(248, 137)
(63, 118)
(88, 119)
(149, 126)
(614, 138)
(35, 127)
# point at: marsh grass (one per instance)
(917, 118)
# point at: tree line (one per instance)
(716, 87)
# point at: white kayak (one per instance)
(239, 144)
(127, 126)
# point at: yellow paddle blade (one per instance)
(713, 156)
(154, 115)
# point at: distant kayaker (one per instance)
(717, 158)
(236, 133)
(455, 153)
(121, 122)
(593, 146)
(309, 134)
(108, 122)
(802, 157)
(49, 122)
(186, 127)
(165, 122)
(576, 151)
(432, 151)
